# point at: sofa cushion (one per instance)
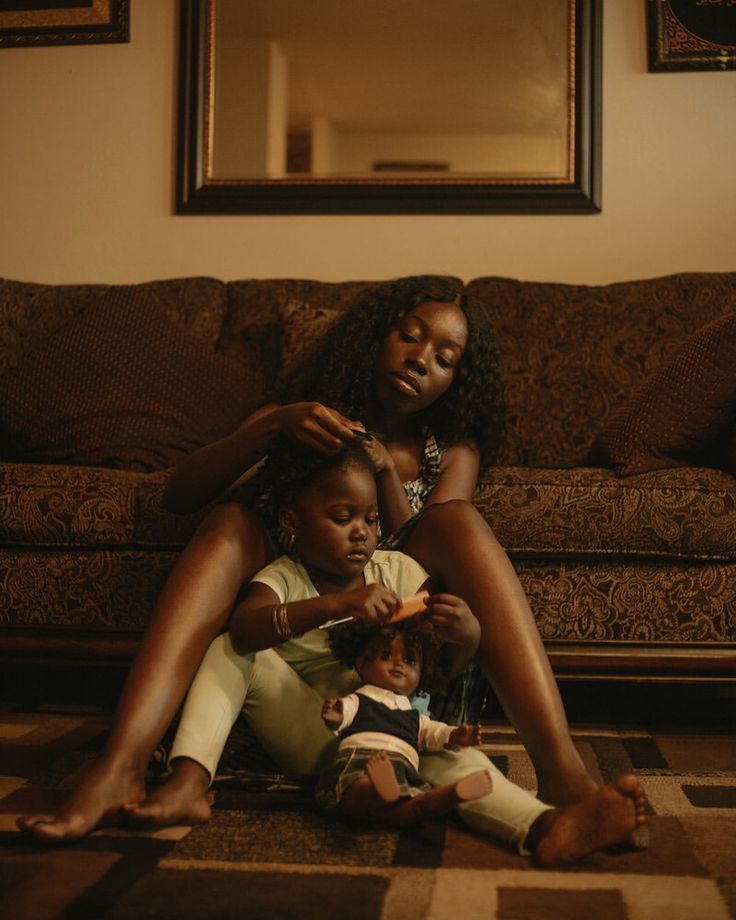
(278, 320)
(681, 412)
(122, 385)
(31, 311)
(77, 506)
(686, 513)
(570, 354)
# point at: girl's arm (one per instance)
(208, 472)
(253, 625)
(458, 478)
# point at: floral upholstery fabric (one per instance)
(631, 601)
(33, 311)
(84, 552)
(74, 506)
(279, 320)
(689, 513)
(572, 353)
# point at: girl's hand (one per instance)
(464, 736)
(314, 425)
(332, 713)
(453, 621)
(380, 459)
(372, 604)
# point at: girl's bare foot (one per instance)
(183, 799)
(98, 801)
(608, 818)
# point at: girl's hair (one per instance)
(339, 369)
(350, 641)
(290, 468)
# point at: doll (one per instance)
(375, 774)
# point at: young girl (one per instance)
(414, 360)
(278, 656)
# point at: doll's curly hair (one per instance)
(355, 639)
(338, 370)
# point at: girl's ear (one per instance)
(287, 522)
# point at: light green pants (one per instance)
(283, 705)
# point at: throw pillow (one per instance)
(123, 386)
(677, 416)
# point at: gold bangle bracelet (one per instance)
(280, 622)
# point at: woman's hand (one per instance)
(314, 425)
(372, 604)
(454, 622)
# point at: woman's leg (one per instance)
(226, 550)
(454, 543)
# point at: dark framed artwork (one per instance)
(26, 23)
(691, 34)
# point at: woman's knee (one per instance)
(453, 517)
(231, 539)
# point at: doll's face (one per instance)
(393, 669)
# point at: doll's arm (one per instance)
(464, 736)
(433, 736)
(337, 714)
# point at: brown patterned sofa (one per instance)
(102, 388)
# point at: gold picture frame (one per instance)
(25, 23)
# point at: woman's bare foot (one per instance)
(183, 799)
(608, 818)
(98, 802)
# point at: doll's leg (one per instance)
(193, 607)
(454, 543)
(283, 710)
(609, 816)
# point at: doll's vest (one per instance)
(375, 717)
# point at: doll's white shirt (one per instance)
(433, 736)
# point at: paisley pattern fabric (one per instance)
(84, 551)
(570, 354)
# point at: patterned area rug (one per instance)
(268, 853)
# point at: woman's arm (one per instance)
(253, 626)
(208, 472)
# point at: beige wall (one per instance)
(87, 162)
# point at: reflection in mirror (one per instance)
(389, 106)
(347, 88)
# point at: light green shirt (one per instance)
(289, 581)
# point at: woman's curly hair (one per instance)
(356, 639)
(339, 369)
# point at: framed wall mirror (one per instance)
(379, 107)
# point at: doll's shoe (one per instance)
(474, 786)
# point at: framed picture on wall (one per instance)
(691, 34)
(63, 22)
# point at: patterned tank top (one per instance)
(429, 472)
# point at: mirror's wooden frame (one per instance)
(198, 193)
